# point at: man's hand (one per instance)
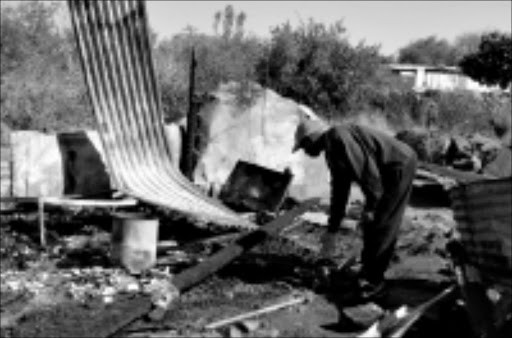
(328, 245)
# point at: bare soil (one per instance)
(37, 283)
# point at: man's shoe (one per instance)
(364, 291)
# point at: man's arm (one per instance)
(340, 191)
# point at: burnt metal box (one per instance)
(251, 187)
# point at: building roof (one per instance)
(431, 68)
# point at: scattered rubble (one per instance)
(254, 280)
(17, 250)
(364, 315)
(425, 232)
(472, 153)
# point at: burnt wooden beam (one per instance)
(195, 274)
(192, 276)
(190, 136)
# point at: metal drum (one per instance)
(134, 241)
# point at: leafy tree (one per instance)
(232, 23)
(228, 21)
(216, 22)
(41, 84)
(220, 58)
(492, 63)
(466, 43)
(316, 65)
(430, 51)
(240, 21)
(26, 29)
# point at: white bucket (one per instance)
(134, 241)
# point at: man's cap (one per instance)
(310, 126)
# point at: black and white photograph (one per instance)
(233, 169)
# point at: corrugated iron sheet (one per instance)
(36, 164)
(115, 51)
(5, 172)
(484, 220)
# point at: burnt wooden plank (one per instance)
(193, 275)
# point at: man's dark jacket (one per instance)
(365, 156)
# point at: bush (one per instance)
(398, 108)
(389, 96)
(219, 59)
(500, 111)
(462, 112)
(315, 65)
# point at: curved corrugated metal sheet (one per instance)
(116, 56)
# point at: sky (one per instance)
(390, 24)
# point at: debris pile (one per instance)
(473, 153)
(17, 250)
(425, 232)
(86, 284)
(81, 287)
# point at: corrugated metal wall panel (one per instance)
(116, 57)
(484, 221)
(5, 172)
(37, 164)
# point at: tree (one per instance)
(232, 23)
(41, 81)
(466, 43)
(216, 21)
(492, 63)
(240, 22)
(429, 51)
(315, 65)
(226, 56)
(26, 29)
(228, 21)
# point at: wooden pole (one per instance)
(42, 228)
(188, 153)
(293, 300)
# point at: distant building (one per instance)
(424, 77)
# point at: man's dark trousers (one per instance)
(380, 234)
